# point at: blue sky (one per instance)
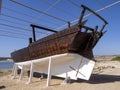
(20, 18)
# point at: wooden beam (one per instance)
(95, 14)
(49, 72)
(44, 28)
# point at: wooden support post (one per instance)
(49, 72)
(30, 40)
(69, 24)
(34, 36)
(15, 71)
(21, 73)
(65, 81)
(82, 14)
(31, 73)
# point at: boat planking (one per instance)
(78, 39)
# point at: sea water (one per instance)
(6, 65)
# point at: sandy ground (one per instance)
(105, 76)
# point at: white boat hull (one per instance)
(62, 65)
(68, 64)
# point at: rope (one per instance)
(37, 18)
(17, 27)
(11, 22)
(15, 30)
(14, 27)
(108, 6)
(74, 3)
(15, 33)
(41, 12)
(12, 36)
(22, 20)
(16, 18)
(65, 11)
(52, 5)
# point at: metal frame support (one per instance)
(49, 72)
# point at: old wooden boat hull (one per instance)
(70, 40)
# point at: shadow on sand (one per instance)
(100, 78)
(94, 79)
(1, 87)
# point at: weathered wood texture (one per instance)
(68, 40)
(72, 40)
(21, 55)
(54, 44)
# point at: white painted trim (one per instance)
(31, 73)
(49, 72)
(21, 73)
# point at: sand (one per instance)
(105, 76)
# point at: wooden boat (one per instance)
(70, 40)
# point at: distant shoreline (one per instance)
(7, 60)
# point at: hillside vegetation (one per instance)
(117, 58)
